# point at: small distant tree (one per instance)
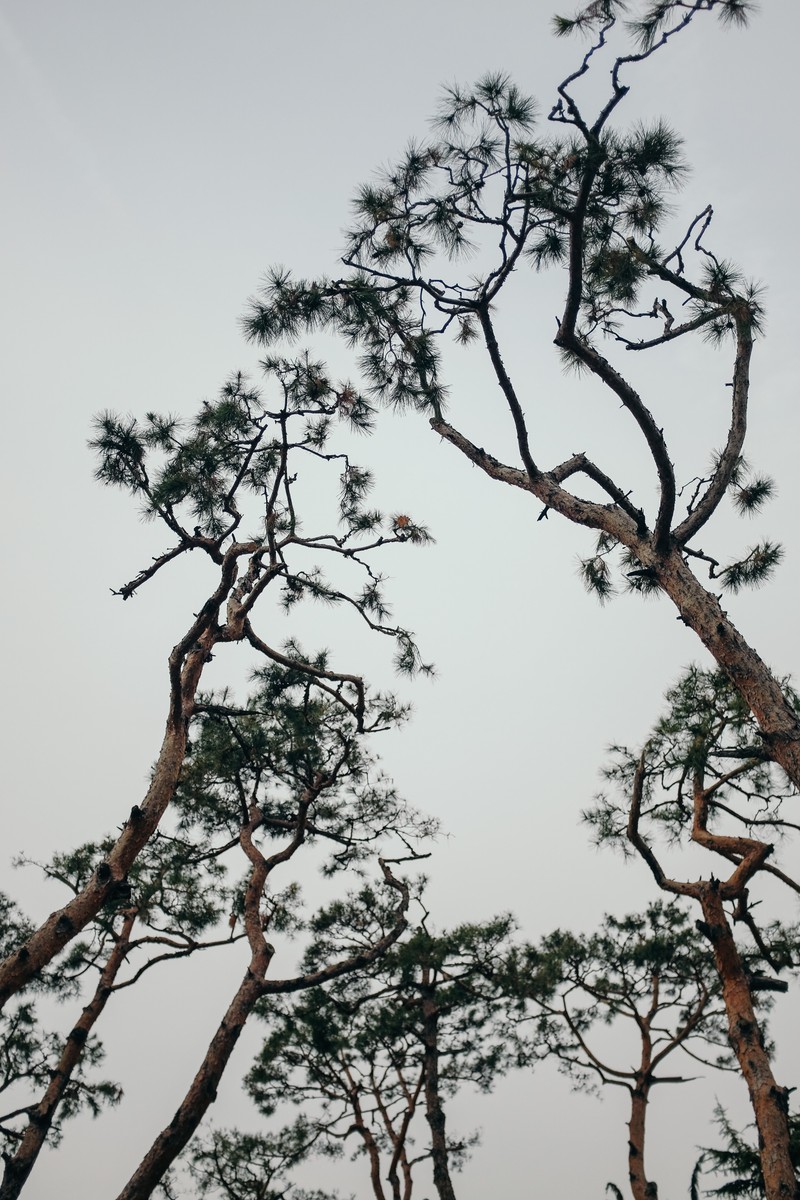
(230, 1165)
(648, 981)
(369, 1054)
(436, 257)
(705, 778)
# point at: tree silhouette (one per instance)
(590, 199)
(705, 778)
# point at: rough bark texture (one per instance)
(701, 611)
(371, 1145)
(202, 1093)
(185, 666)
(641, 1187)
(398, 1140)
(769, 1100)
(433, 1106)
(19, 1166)
(65, 923)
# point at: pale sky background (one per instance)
(157, 158)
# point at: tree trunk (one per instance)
(433, 1106)
(19, 1166)
(769, 1101)
(749, 674)
(641, 1187)
(186, 662)
(698, 607)
(66, 923)
(365, 1133)
(201, 1094)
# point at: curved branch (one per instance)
(638, 842)
(729, 459)
(318, 673)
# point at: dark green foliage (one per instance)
(354, 1055)
(233, 447)
(738, 1160)
(657, 20)
(28, 1051)
(649, 972)
(493, 187)
(596, 577)
(246, 462)
(240, 1166)
(708, 728)
(292, 735)
(754, 569)
(28, 1054)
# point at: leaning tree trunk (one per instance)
(201, 1094)
(697, 606)
(373, 1153)
(19, 1165)
(769, 1100)
(749, 674)
(186, 664)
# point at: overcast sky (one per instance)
(157, 159)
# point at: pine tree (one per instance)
(705, 778)
(438, 238)
(233, 467)
(649, 976)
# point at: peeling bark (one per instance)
(749, 674)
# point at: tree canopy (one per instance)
(269, 843)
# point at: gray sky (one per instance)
(157, 159)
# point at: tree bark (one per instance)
(749, 674)
(398, 1139)
(19, 1166)
(203, 1088)
(185, 665)
(370, 1144)
(698, 607)
(66, 923)
(769, 1101)
(433, 1106)
(202, 1092)
(641, 1187)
